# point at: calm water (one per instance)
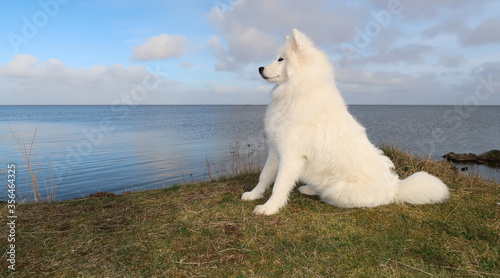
(103, 148)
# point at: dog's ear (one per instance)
(299, 40)
(291, 43)
(296, 33)
(294, 40)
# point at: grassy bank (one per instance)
(205, 230)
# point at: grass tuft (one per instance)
(35, 180)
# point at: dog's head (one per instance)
(297, 58)
(295, 55)
(276, 72)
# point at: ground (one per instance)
(205, 230)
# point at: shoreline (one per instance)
(464, 167)
(172, 148)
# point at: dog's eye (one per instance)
(280, 59)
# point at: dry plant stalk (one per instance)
(34, 173)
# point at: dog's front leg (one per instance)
(289, 172)
(266, 178)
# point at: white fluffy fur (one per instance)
(313, 138)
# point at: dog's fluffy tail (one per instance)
(422, 188)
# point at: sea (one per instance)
(76, 151)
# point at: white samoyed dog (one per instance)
(314, 139)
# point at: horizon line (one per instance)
(359, 104)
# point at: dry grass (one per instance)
(35, 179)
(243, 161)
(204, 230)
(249, 161)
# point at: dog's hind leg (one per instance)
(308, 190)
(266, 178)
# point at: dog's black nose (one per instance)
(261, 69)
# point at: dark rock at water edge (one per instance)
(490, 158)
(461, 157)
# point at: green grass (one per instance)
(205, 230)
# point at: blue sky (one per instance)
(208, 52)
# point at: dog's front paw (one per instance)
(265, 210)
(250, 196)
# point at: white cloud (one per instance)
(451, 61)
(223, 61)
(451, 26)
(362, 87)
(24, 67)
(424, 10)
(27, 80)
(483, 33)
(162, 46)
(486, 32)
(406, 60)
(54, 82)
(408, 53)
(254, 30)
(421, 55)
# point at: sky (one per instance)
(112, 52)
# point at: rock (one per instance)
(461, 157)
(491, 158)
